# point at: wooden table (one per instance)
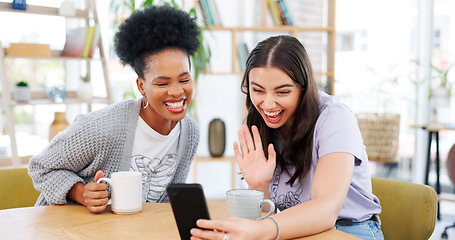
(155, 221)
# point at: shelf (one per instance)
(330, 74)
(42, 98)
(323, 25)
(272, 29)
(66, 101)
(48, 11)
(6, 162)
(55, 55)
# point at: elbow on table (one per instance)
(331, 217)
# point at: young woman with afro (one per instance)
(152, 135)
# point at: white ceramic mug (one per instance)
(247, 203)
(126, 192)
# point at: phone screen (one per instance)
(188, 204)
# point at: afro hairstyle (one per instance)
(152, 30)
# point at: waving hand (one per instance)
(256, 169)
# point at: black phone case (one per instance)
(188, 204)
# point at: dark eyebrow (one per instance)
(167, 78)
(281, 86)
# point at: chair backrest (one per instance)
(408, 209)
(16, 189)
(451, 164)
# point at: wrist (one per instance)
(261, 187)
(76, 193)
(271, 228)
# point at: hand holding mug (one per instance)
(95, 194)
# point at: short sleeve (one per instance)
(337, 131)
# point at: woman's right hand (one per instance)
(256, 169)
(95, 194)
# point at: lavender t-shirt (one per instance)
(336, 131)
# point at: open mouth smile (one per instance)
(273, 116)
(175, 106)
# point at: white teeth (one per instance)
(175, 104)
(272, 114)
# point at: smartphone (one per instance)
(188, 204)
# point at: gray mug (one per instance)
(247, 203)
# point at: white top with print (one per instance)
(155, 156)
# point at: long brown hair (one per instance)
(289, 55)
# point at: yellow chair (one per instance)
(408, 209)
(16, 189)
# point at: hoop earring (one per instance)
(194, 93)
(147, 103)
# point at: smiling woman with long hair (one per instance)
(300, 147)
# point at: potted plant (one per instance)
(21, 92)
(441, 91)
(85, 89)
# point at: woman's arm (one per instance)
(330, 186)
(55, 171)
(329, 189)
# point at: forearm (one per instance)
(307, 219)
(329, 189)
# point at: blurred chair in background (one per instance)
(408, 209)
(16, 189)
(451, 173)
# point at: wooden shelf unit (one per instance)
(293, 30)
(41, 97)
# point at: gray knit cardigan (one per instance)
(99, 140)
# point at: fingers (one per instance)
(272, 156)
(94, 191)
(272, 153)
(242, 142)
(94, 186)
(210, 224)
(237, 153)
(98, 175)
(249, 141)
(97, 209)
(96, 204)
(248, 138)
(257, 138)
(219, 227)
(95, 196)
(198, 234)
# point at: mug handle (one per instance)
(272, 207)
(108, 180)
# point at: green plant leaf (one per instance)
(129, 94)
(22, 84)
(147, 3)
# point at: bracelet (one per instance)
(277, 226)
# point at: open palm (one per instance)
(256, 169)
